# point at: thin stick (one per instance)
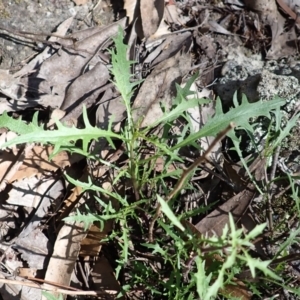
(185, 174)
(26, 33)
(271, 188)
(58, 290)
(34, 37)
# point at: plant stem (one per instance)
(185, 174)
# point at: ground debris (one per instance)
(234, 48)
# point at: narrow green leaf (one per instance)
(19, 126)
(50, 296)
(238, 115)
(257, 230)
(169, 213)
(179, 110)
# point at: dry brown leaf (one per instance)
(130, 6)
(152, 13)
(80, 2)
(68, 63)
(71, 201)
(147, 17)
(215, 27)
(283, 45)
(159, 86)
(103, 277)
(217, 219)
(86, 87)
(91, 245)
(290, 7)
(173, 14)
(170, 45)
(36, 162)
(239, 291)
(6, 160)
(160, 166)
(48, 51)
(262, 6)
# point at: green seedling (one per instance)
(162, 274)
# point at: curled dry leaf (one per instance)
(169, 46)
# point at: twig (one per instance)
(274, 164)
(35, 38)
(185, 175)
(271, 188)
(84, 277)
(58, 290)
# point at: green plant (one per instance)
(183, 265)
(51, 297)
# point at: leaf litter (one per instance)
(170, 40)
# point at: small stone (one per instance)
(272, 85)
